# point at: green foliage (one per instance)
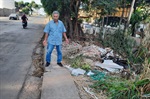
(87, 20)
(139, 15)
(80, 20)
(118, 88)
(107, 7)
(25, 10)
(60, 5)
(124, 45)
(26, 6)
(86, 67)
(52, 5)
(78, 62)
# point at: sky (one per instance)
(37, 1)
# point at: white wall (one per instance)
(10, 4)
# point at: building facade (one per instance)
(7, 7)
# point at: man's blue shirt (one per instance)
(55, 32)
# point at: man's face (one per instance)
(55, 17)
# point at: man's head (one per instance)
(55, 15)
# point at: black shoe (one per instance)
(60, 64)
(47, 64)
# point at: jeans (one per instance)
(50, 48)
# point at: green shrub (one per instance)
(118, 88)
(78, 62)
(123, 45)
(86, 67)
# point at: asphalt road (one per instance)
(16, 47)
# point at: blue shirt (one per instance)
(55, 32)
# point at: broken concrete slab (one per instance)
(58, 84)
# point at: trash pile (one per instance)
(90, 51)
(94, 51)
(75, 72)
(71, 48)
(109, 65)
(109, 61)
(101, 62)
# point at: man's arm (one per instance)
(66, 39)
(46, 31)
(45, 39)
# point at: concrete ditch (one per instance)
(32, 85)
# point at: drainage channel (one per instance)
(33, 82)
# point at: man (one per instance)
(53, 37)
(24, 18)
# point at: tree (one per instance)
(107, 7)
(21, 4)
(25, 10)
(26, 7)
(68, 14)
(138, 12)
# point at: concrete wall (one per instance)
(9, 4)
(6, 12)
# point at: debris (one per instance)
(89, 61)
(95, 51)
(146, 96)
(87, 89)
(91, 51)
(69, 68)
(90, 73)
(98, 75)
(109, 65)
(71, 48)
(111, 53)
(78, 71)
(103, 51)
(122, 63)
(74, 71)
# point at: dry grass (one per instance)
(146, 44)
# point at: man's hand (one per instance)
(44, 42)
(45, 39)
(67, 41)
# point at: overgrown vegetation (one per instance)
(121, 42)
(125, 46)
(78, 62)
(118, 88)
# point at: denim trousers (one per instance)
(50, 48)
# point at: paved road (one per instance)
(16, 46)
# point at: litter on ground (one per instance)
(75, 72)
(110, 66)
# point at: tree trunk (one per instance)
(75, 8)
(133, 25)
(71, 22)
(129, 17)
(71, 29)
(123, 11)
(133, 29)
